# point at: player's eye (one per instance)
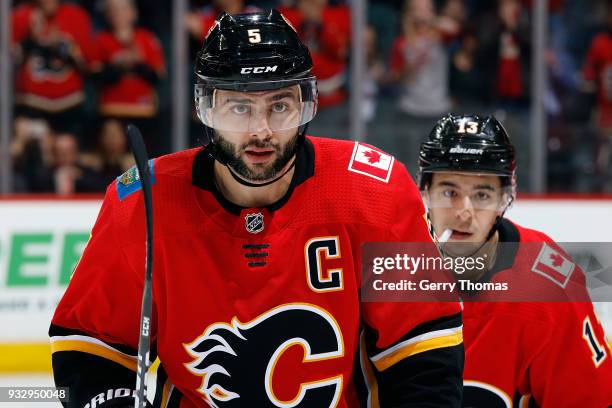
(241, 109)
(482, 196)
(279, 107)
(449, 193)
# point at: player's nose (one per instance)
(465, 215)
(259, 126)
(465, 212)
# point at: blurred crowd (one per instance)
(83, 69)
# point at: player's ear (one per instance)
(503, 205)
(507, 198)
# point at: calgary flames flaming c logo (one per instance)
(237, 360)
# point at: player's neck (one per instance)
(248, 197)
(489, 253)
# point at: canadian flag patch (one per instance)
(553, 265)
(371, 162)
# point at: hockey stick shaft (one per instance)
(139, 151)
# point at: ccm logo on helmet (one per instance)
(258, 70)
(462, 150)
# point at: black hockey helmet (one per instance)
(468, 143)
(254, 52)
(237, 45)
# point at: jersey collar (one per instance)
(203, 177)
(509, 238)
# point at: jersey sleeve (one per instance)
(415, 349)
(334, 38)
(206, 23)
(94, 331)
(591, 67)
(20, 23)
(574, 368)
(154, 54)
(85, 38)
(397, 62)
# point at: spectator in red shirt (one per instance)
(597, 71)
(200, 22)
(326, 32)
(52, 45)
(132, 63)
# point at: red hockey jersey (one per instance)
(328, 44)
(258, 306)
(131, 95)
(50, 83)
(533, 354)
(598, 68)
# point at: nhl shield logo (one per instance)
(254, 223)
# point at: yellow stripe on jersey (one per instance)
(419, 344)
(166, 388)
(369, 376)
(165, 394)
(92, 347)
(524, 401)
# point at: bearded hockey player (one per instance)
(519, 354)
(257, 258)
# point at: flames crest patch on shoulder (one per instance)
(129, 182)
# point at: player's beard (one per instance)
(231, 156)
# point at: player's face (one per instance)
(264, 136)
(467, 204)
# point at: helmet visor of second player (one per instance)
(255, 107)
(459, 190)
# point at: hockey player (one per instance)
(257, 258)
(521, 354)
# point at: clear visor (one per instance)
(477, 192)
(287, 106)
